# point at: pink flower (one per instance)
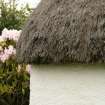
(11, 50)
(3, 57)
(11, 34)
(7, 53)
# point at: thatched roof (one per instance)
(64, 31)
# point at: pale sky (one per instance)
(32, 3)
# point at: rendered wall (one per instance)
(68, 85)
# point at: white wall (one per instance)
(67, 85)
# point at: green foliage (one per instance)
(11, 95)
(11, 17)
(14, 85)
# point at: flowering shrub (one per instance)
(14, 78)
(8, 40)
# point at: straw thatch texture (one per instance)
(64, 31)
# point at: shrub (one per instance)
(10, 16)
(14, 78)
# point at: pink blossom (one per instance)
(11, 34)
(11, 50)
(7, 53)
(3, 57)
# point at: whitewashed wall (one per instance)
(67, 85)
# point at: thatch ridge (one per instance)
(64, 31)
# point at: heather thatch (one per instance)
(64, 31)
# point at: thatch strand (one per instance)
(64, 31)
